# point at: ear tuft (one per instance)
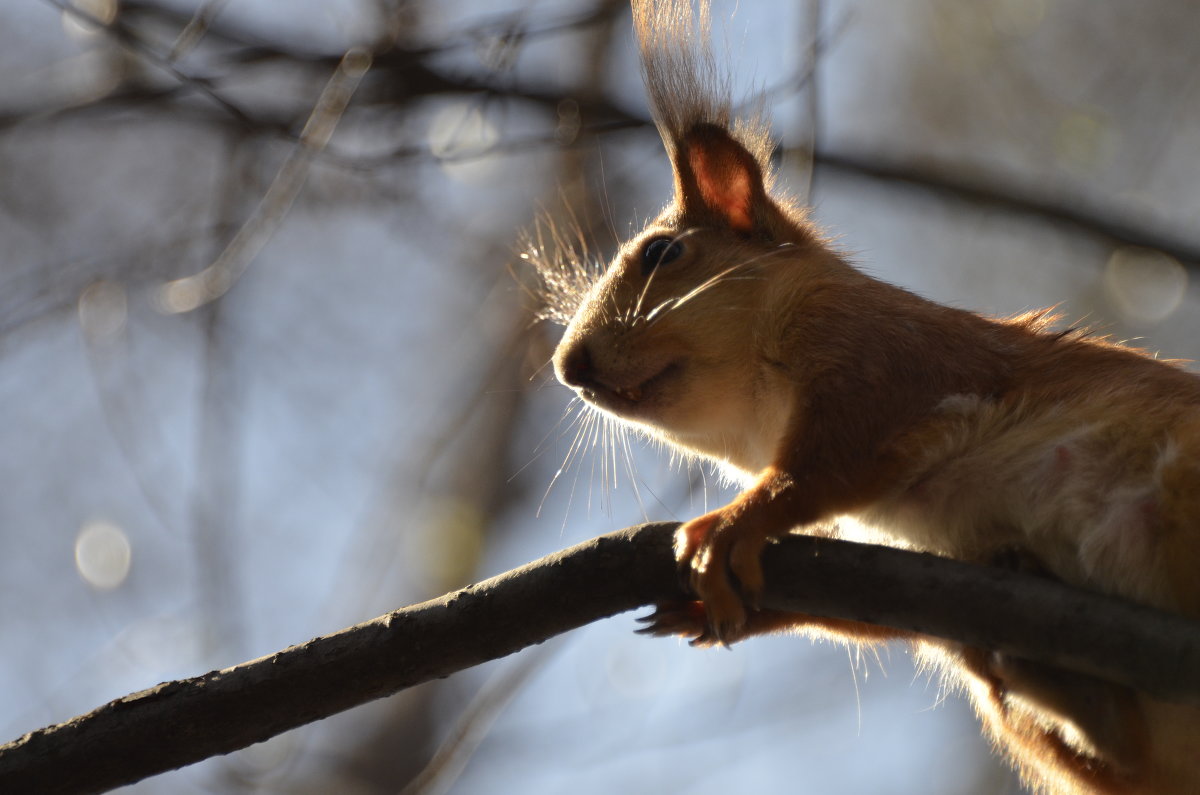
(725, 176)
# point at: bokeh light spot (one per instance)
(461, 138)
(78, 26)
(103, 309)
(181, 295)
(453, 543)
(1144, 285)
(1085, 141)
(102, 554)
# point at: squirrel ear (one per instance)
(716, 174)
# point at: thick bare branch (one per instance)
(178, 723)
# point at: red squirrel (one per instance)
(730, 328)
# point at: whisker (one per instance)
(597, 435)
(637, 310)
(613, 432)
(540, 368)
(672, 304)
(579, 422)
(587, 430)
(559, 253)
(633, 479)
(606, 206)
(573, 411)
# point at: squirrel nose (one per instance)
(575, 367)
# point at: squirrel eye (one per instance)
(660, 251)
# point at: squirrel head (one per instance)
(682, 334)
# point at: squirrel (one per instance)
(732, 329)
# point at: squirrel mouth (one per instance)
(632, 394)
(628, 399)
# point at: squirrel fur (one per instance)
(731, 328)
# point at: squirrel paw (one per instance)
(711, 547)
(685, 619)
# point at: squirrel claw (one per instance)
(708, 548)
(685, 619)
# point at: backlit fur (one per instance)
(834, 394)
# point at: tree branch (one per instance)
(178, 723)
(402, 75)
(991, 192)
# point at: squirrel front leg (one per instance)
(729, 541)
(727, 544)
(831, 463)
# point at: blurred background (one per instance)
(269, 366)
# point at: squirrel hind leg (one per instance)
(1066, 731)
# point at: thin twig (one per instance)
(132, 41)
(191, 292)
(195, 29)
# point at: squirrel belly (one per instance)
(732, 329)
(1091, 490)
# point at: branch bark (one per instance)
(178, 723)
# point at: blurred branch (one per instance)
(402, 72)
(508, 25)
(810, 85)
(131, 39)
(178, 723)
(403, 75)
(191, 292)
(195, 29)
(949, 183)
